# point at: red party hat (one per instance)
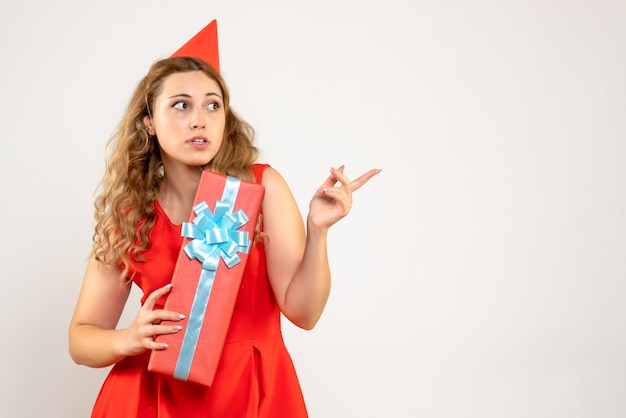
(203, 45)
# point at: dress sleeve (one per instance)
(257, 170)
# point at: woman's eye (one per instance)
(213, 106)
(180, 105)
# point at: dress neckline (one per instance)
(160, 209)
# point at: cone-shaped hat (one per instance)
(203, 45)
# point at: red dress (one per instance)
(255, 377)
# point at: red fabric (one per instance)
(255, 377)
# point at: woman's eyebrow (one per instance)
(189, 96)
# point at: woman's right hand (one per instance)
(139, 336)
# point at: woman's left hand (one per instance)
(331, 203)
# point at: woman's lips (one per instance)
(199, 142)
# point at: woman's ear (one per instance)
(147, 120)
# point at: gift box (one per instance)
(207, 276)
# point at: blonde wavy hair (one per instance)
(124, 210)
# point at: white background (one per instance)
(482, 274)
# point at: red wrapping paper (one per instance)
(223, 294)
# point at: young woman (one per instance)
(178, 123)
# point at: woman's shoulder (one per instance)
(274, 182)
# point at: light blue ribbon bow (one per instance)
(214, 236)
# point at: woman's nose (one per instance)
(197, 120)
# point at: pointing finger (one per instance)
(364, 178)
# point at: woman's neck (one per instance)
(178, 191)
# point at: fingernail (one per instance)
(180, 316)
(169, 285)
(177, 328)
(164, 345)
